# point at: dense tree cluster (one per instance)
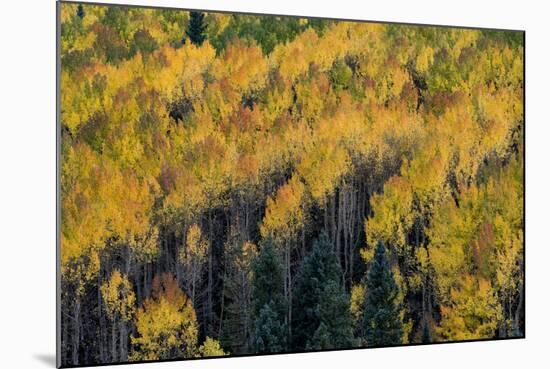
(236, 184)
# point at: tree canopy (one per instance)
(278, 183)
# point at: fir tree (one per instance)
(196, 28)
(268, 280)
(321, 339)
(269, 304)
(383, 324)
(80, 11)
(336, 328)
(270, 335)
(238, 320)
(321, 314)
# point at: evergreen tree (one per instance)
(321, 339)
(80, 11)
(237, 330)
(196, 28)
(383, 324)
(321, 314)
(268, 300)
(270, 335)
(268, 279)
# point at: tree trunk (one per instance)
(113, 342)
(222, 308)
(210, 272)
(65, 340)
(102, 357)
(122, 338)
(76, 331)
(517, 314)
(339, 226)
(287, 285)
(333, 219)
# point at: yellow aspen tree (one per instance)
(166, 324)
(119, 302)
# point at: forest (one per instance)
(238, 184)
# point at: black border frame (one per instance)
(58, 181)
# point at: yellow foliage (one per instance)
(158, 141)
(119, 298)
(284, 213)
(166, 324)
(196, 246)
(392, 216)
(357, 302)
(100, 201)
(484, 235)
(211, 347)
(293, 59)
(424, 59)
(473, 312)
(244, 67)
(390, 82)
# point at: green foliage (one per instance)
(237, 331)
(268, 300)
(340, 75)
(271, 332)
(321, 339)
(196, 28)
(76, 59)
(109, 44)
(319, 299)
(268, 281)
(336, 329)
(143, 43)
(117, 18)
(383, 310)
(512, 39)
(80, 11)
(265, 31)
(177, 158)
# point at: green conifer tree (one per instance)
(321, 314)
(383, 323)
(80, 11)
(271, 332)
(269, 304)
(196, 28)
(321, 339)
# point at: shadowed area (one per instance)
(48, 359)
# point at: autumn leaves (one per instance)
(389, 155)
